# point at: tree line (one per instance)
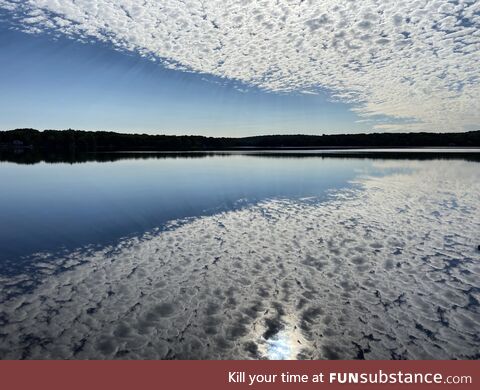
(98, 141)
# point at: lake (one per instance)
(242, 255)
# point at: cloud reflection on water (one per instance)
(387, 269)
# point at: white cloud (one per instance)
(415, 60)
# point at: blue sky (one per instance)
(233, 68)
(51, 83)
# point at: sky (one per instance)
(240, 67)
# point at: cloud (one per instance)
(385, 269)
(415, 60)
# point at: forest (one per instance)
(68, 141)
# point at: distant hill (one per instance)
(98, 141)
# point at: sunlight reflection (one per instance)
(282, 346)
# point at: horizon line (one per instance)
(243, 137)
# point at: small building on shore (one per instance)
(14, 145)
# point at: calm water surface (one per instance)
(241, 256)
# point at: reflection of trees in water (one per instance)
(35, 157)
(30, 157)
